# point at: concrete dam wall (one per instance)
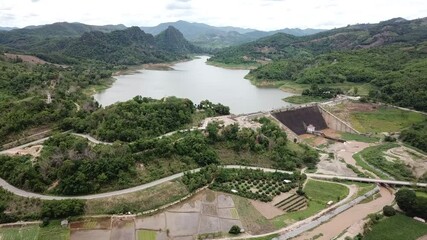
(298, 119)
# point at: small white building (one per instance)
(330, 203)
(311, 129)
(287, 181)
(234, 191)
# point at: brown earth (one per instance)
(268, 210)
(339, 223)
(26, 58)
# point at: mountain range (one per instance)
(215, 37)
(70, 43)
(353, 37)
(200, 34)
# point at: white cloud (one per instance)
(260, 14)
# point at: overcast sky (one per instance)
(259, 14)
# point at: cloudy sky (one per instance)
(259, 14)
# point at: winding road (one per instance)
(24, 193)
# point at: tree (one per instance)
(234, 229)
(388, 211)
(406, 199)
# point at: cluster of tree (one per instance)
(269, 140)
(135, 119)
(73, 164)
(226, 176)
(416, 135)
(192, 149)
(63, 208)
(323, 92)
(23, 94)
(196, 180)
(213, 109)
(413, 205)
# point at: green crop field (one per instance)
(385, 119)
(324, 192)
(318, 193)
(398, 227)
(358, 137)
(146, 235)
(22, 233)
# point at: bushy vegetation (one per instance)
(323, 92)
(375, 156)
(23, 94)
(397, 227)
(62, 208)
(411, 203)
(416, 135)
(135, 119)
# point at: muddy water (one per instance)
(344, 220)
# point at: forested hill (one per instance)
(173, 40)
(121, 47)
(282, 46)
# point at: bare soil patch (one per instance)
(267, 209)
(417, 161)
(225, 201)
(122, 228)
(182, 224)
(25, 58)
(156, 222)
(90, 235)
(209, 225)
(344, 109)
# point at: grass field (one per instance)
(385, 119)
(299, 99)
(139, 201)
(146, 235)
(357, 137)
(318, 193)
(398, 227)
(269, 237)
(290, 86)
(24, 233)
(324, 192)
(53, 231)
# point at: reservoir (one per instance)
(196, 81)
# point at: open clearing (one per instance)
(368, 117)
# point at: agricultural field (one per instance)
(318, 194)
(53, 231)
(398, 227)
(254, 184)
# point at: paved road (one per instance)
(23, 193)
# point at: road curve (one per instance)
(24, 193)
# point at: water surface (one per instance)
(196, 81)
